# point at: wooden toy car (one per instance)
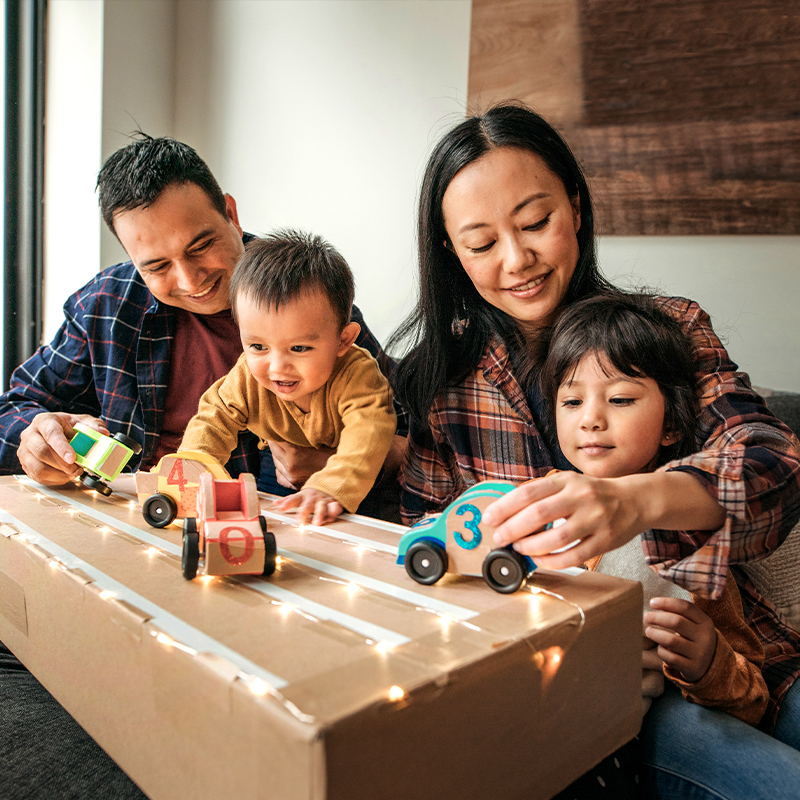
(228, 534)
(169, 489)
(458, 541)
(102, 457)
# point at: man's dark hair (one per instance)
(134, 176)
(277, 268)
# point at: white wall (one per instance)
(320, 114)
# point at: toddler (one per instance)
(619, 385)
(300, 378)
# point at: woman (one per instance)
(506, 240)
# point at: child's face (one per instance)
(610, 425)
(292, 350)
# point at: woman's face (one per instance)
(513, 227)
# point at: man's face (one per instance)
(183, 248)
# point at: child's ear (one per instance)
(347, 337)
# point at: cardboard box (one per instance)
(339, 678)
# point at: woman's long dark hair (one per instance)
(637, 338)
(452, 324)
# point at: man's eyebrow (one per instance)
(192, 243)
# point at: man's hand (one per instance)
(295, 465)
(312, 503)
(686, 637)
(44, 450)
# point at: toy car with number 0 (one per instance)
(102, 457)
(458, 541)
(169, 489)
(229, 535)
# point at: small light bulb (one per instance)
(396, 693)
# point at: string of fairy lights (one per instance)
(171, 632)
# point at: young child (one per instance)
(300, 378)
(619, 384)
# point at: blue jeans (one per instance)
(787, 728)
(696, 753)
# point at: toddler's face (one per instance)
(609, 424)
(292, 350)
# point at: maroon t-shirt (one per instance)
(204, 348)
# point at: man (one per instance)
(144, 339)
(139, 344)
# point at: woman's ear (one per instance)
(448, 246)
(669, 438)
(576, 211)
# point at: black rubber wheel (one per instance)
(270, 548)
(190, 557)
(91, 482)
(128, 442)
(426, 562)
(190, 525)
(504, 570)
(159, 510)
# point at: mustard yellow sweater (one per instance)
(352, 412)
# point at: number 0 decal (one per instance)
(225, 548)
(471, 525)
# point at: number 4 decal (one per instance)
(175, 477)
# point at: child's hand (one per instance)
(686, 637)
(311, 503)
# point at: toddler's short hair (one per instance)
(277, 268)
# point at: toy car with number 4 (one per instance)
(169, 489)
(102, 457)
(458, 541)
(229, 535)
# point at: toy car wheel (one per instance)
(159, 510)
(190, 557)
(190, 525)
(504, 570)
(270, 548)
(426, 562)
(128, 442)
(90, 482)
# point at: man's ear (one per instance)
(347, 337)
(231, 212)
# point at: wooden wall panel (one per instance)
(686, 115)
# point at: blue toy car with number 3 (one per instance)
(458, 541)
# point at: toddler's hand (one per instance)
(686, 637)
(311, 503)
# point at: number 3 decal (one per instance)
(471, 525)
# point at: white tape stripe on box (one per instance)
(367, 629)
(415, 598)
(173, 626)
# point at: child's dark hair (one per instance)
(639, 339)
(277, 268)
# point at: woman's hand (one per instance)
(603, 513)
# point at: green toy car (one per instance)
(102, 457)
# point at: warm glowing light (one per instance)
(164, 639)
(556, 658)
(152, 551)
(105, 529)
(106, 594)
(131, 504)
(206, 578)
(285, 609)
(445, 619)
(353, 587)
(396, 693)
(259, 687)
(278, 561)
(383, 647)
